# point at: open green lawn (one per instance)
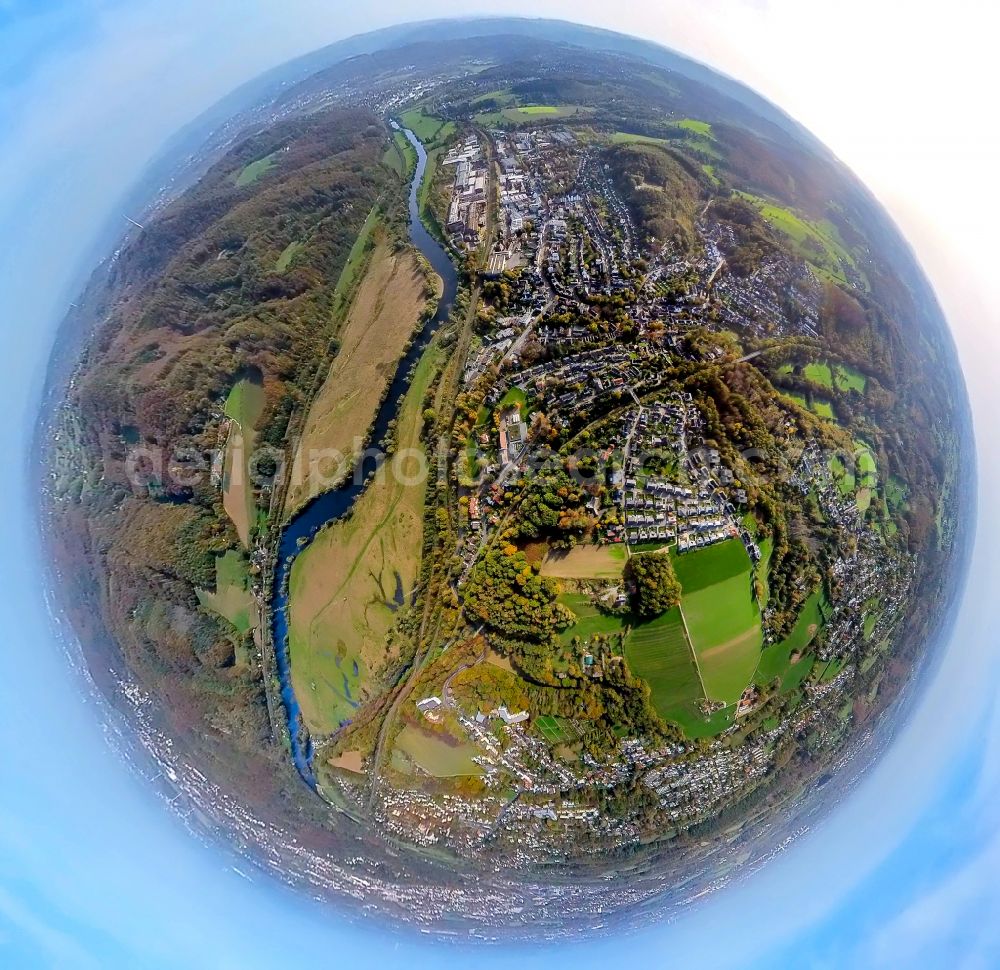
(722, 616)
(232, 598)
(838, 376)
(590, 620)
(244, 405)
(400, 156)
(823, 409)
(895, 494)
(245, 402)
(429, 128)
(858, 477)
(658, 651)
(817, 241)
(501, 96)
(287, 255)
(701, 568)
(698, 127)
(426, 186)
(514, 396)
(843, 477)
(255, 170)
(763, 572)
(531, 112)
(866, 464)
(344, 290)
(830, 669)
(870, 620)
(849, 379)
(818, 373)
(628, 138)
(439, 755)
(776, 660)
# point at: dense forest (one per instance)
(204, 295)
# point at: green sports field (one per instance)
(556, 730)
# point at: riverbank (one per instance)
(338, 503)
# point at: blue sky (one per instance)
(96, 873)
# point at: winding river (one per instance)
(330, 506)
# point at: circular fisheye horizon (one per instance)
(512, 475)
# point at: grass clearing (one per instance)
(400, 156)
(659, 652)
(585, 562)
(590, 620)
(353, 266)
(849, 379)
(287, 255)
(722, 616)
(243, 407)
(515, 396)
(502, 96)
(857, 476)
(343, 586)
(702, 128)
(819, 373)
(817, 241)
(440, 755)
(256, 170)
(232, 598)
(530, 113)
(383, 316)
(843, 477)
(556, 730)
(871, 619)
(822, 409)
(628, 138)
(776, 661)
(429, 128)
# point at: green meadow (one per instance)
(531, 112)
(287, 255)
(255, 170)
(849, 379)
(817, 241)
(776, 659)
(428, 127)
(658, 651)
(232, 598)
(400, 156)
(344, 290)
(590, 620)
(818, 373)
(723, 619)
